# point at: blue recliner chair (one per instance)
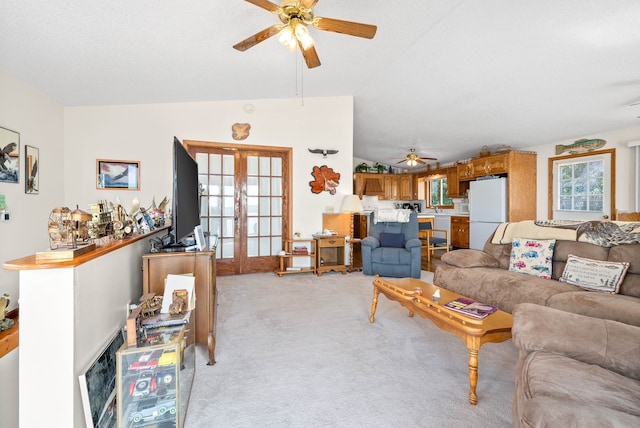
(392, 249)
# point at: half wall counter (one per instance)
(69, 309)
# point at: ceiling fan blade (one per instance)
(345, 27)
(308, 3)
(429, 158)
(260, 36)
(421, 161)
(265, 4)
(310, 56)
(403, 160)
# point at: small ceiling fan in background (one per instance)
(295, 16)
(412, 158)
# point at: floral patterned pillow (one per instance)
(532, 256)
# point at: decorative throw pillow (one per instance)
(532, 256)
(594, 275)
(392, 240)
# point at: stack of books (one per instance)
(300, 250)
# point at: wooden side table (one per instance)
(330, 254)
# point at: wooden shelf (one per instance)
(286, 260)
(9, 338)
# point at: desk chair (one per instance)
(426, 234)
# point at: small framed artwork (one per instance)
(31, 177)
(117, 174)
(9, 156)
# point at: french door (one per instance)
(245, 202)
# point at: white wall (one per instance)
(625, 167)
(145, 133)
(39, 121)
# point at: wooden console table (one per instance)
(156, 267)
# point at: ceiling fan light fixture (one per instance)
(287, 38)
(412, 162)
(302, 34)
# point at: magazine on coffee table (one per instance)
(470, 307)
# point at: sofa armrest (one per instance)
(606, 343)
(412, 243)
(469, 258)
(370, 241)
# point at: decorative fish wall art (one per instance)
(581, 146)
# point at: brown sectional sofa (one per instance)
(485, 276)
(574, 371)
(578, 363)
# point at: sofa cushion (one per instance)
(498, 287)
(616, 307)
(594, 275)
(469, 258)
(628, 253)
(392, 240)
(551, 375)
(583, 249)
(532, 256)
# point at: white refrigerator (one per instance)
(487, 209)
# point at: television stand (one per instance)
(202, 264)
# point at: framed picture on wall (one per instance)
(117, 174)
(10, 156)
(31, 177)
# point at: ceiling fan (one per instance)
(412, 158)
(295, 16)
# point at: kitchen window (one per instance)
(438, 193)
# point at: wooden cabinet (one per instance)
(330, 254)
(520, 169)
(460, 231)
(406, 187)
(385, 186)
(156, 267)
(455, 187)
(490, 165)
(369, 184)
(297, 249)
(360, 231)
(391, 187)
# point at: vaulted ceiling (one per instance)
(442, 76)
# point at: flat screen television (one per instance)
(185, 211)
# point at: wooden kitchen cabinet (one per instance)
(455, 187)
(406, 187)
(385, 186)
(156, 267)
(391, 187)
(460, 231)
(369, 184)
(519, 168)
(502, 163)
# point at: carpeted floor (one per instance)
(299, 351)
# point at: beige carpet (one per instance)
(299, 351)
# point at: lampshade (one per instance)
(351, 203)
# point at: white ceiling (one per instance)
(443, 76)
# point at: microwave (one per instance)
(462, 208)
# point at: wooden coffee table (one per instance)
(495, 328)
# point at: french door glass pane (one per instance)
(252, 226)
(261, 210)
(252, 247)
